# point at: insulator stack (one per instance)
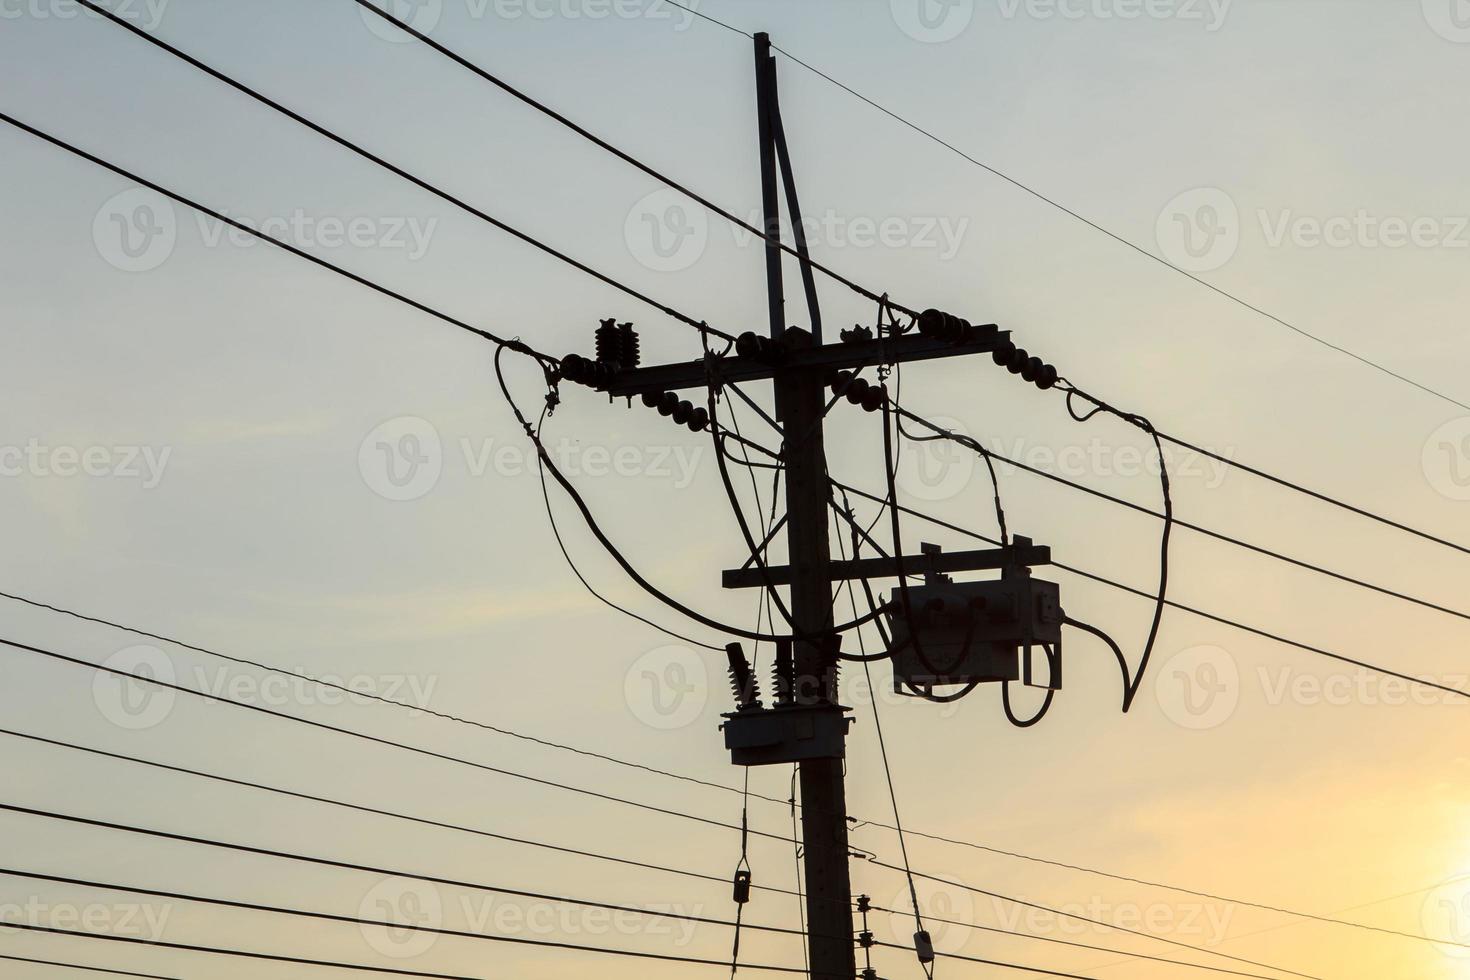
(763, 349)
(743, 682)
(632, 348)
(610, 343)
(938, 325)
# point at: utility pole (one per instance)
(804, 724)
(800, 404)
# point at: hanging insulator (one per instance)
(1018, 360)
(699, 420)
(748, 344)
(667, 403)
(651, 399)
(865, 939)
(924, 946)
(1002, 353)
(874, 398)
(576, 368)
(1048, 377)
(856, 390)
(1032, 368)
(838, 381)
(609, 343)
(630, 350)
(931, 322)
(742, 887)
(682, 412)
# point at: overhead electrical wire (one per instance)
(510, 733)
(399, 171)
(83, 968)
(379, 740)
(1052, 940)
(521, 348)
(409, 927)
(1097, 922)
(1171, 603)
(234, 83)
(343, 804)
(562, 546)
(1052, 202)
(603, 144)
(960, 439)
(615, 552)
(359, 968)
(639, 766)
(262, 236)
(702, 325)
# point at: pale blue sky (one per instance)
(262, 377)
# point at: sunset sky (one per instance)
(205, 437)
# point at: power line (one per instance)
(928, 134)
(422, 821)
(996, 963)
(1171, 603)
(377, 740)
(86, 969)
(1067, 942)
(381, 699)
(1198, 529)
(457, 933)
(302, 961)
(682, 189)
(399, 171)
(245, 954)
(356, 807)
(240, 226)
(1318, 495)
(626, 157)
(1097, 922)
(559, 746)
